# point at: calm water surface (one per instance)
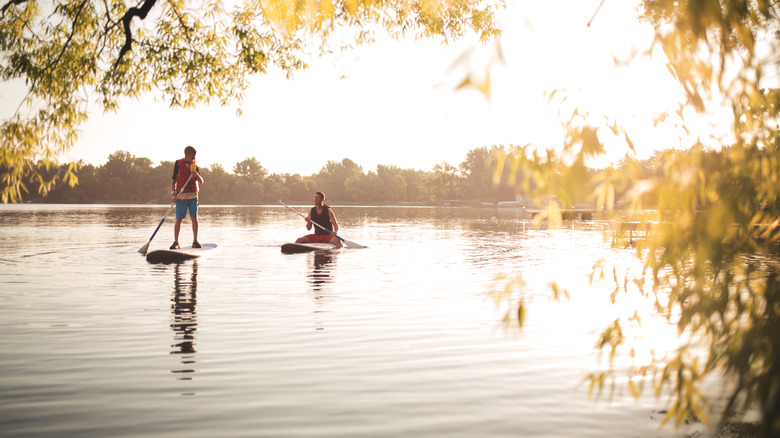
(398, 339)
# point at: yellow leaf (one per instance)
(632, 389)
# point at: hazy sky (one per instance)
(394, 102)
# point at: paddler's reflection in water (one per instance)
(184, 319)
(323, 263)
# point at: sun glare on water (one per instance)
(580, 295)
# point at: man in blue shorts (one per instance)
(184, 192)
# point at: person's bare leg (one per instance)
(194, 228)
(176, 229)
(336, 241)
(303, 240)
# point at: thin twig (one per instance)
(56, 61)
(596, 12)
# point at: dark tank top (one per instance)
(322, 219)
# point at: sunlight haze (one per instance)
(397, 102)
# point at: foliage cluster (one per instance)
(73, 53)
(711, 265)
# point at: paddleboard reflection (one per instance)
(184, 318)
(323, 264)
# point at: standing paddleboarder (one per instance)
(323, 215)
(184, 192)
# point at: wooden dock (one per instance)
(633, 230)
(568, 214)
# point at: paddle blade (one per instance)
(352, 245)
(144, 249)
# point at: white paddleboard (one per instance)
(181, 254)
(291, 248)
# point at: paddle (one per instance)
(349, 244)
(144, 249)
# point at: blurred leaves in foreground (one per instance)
(711, 264)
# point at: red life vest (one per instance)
(181, 178)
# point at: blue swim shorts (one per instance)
(183, 205)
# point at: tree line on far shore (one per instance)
(125, 178)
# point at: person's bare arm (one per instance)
(333, 221)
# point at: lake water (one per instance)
(399, 339)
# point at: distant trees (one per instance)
(125, 178)
(447, 182)
(298, 187)
(480, 177)
(221, 185)
(334, 177)
(250, 187)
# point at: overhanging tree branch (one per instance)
(141, 13)
(9, 4)
(65, 46)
